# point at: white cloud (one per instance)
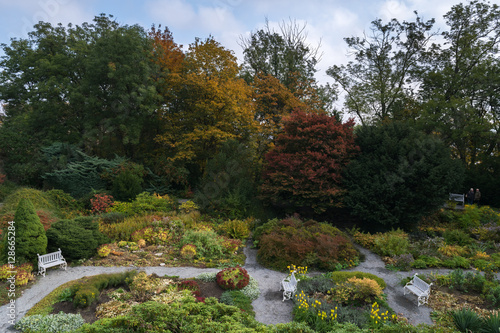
(174, 13)
(395, 9)
(25, 14)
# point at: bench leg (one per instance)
(286, 295)
(64, 266)
(41, 271)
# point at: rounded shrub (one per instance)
(77, 238)
(233, 278)
(188, 251)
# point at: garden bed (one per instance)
(207, 289)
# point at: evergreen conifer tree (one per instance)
(30, 237)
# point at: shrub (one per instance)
(208, 243)
(144, 203)
(38, 198)
(112, 218)
(419, 264)
(431, 261)
(312, 244)
(127, 184)
(391, 243)
(190, 285)
(466, 320)
(30, 238)
(493, 295)
(125, 229)
(78, 238)
(188, 251)
(356, 291)
(452, 250)
(456, 237)
(403, 262)
(101, 203)
(64, 203)
(188, 206)
(103, 251)
(233, 278)
(85, 296)
(53, 323)
(366, 240)
(152, 235)
(239, 299)
(252, 289)
(340, 277)
(236, 229)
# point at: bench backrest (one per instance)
(456, 197)
(293, 280)
(49, 257)
(421, 284)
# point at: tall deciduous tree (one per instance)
(377, 83)
(208, 105)
(400, 175)
(461, 84)
(286, 55)
(303, 170)
(89, 85)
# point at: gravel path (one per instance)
(269, 307)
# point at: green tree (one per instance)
(29, 239)
(89, 85)
(286, 55)
(460, 93)
(399, 176)
(228, 185)
(377, 84)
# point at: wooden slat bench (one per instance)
(420, 288)
(289, 286)
(50, 260)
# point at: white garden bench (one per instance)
(457, 198)
(289, 286)
(420, 288)
(50, 260)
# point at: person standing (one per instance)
(477, 197)
(470, 196)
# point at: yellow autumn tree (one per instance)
(207, 105)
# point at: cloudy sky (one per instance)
(328, 21)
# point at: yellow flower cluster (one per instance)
(299, 270)
(379, 318)
(303, 302)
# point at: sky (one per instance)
(326, 22)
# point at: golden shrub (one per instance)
(452, 250)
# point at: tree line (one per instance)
(104, 106)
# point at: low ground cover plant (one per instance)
(306, 243)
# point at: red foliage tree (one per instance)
(303, 170)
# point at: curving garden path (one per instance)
(269, 307)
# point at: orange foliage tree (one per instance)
(207, 105)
